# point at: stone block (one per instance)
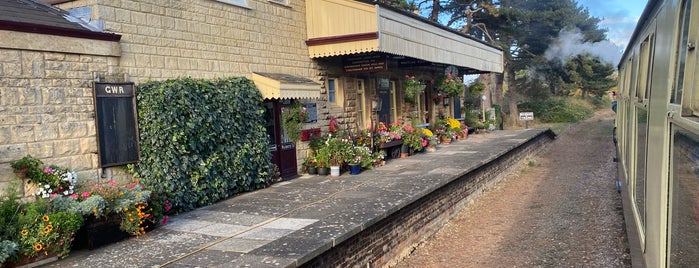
(22, 133)
(69, 130)
(12, 152)
(88, 145)
(9, 55)
(66, 147)
(46, 132)
(40, 149)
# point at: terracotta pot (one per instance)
(446, 140)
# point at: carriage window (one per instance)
(645, 69)
(640, 178)
(684, 238)
(681, 53)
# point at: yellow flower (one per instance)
(427, 132)
(25, 232)
(38, 247)
(45, 218)
(48, 228)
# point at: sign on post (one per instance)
(526, 117)
(117, 128)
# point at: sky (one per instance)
(619, 17)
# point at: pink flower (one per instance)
(48, 170)
(85, 194)
(167, 208)
(164, 220)
(74, 196)
(424, 142)
(112, 183)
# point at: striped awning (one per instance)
(285, 86)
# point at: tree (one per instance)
(524, 30)
(590, 75)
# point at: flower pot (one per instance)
(431, 148)
(355, 169)
(311, 170)
(35, 261)
(404, 151)
(97, 232)
(323, 171)
(446, 140)
(334, 171)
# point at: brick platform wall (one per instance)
(392, 238)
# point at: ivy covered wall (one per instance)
(201, 140)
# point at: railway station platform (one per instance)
(368, 220)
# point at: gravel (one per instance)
(560, 209)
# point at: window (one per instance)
(335, 92)
(332, 90)
(646, 62)
(282, 2)
(681, 53)
(240, 3)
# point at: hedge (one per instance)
(201, 141)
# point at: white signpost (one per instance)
(526, 117)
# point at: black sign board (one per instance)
(117, 128)
(364, 64)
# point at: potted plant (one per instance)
(41, 231)
(27, 166)
(323, 161)
(309, 165)
(114, 211)
(340, 150)
(293, 118)
(450, 85)
(413, 88)
(429, 140)
(362, 159)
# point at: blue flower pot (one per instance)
(355, 169)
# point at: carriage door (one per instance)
(283, 151)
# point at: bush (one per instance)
(201, 141)
(558, 110)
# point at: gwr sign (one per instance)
(117, 128)
(114, 90)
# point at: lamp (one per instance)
(445, 101)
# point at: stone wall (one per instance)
(163, 39)
(46, 102)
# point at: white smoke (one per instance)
(570, 44)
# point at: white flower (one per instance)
(47, 186)
(65, 193)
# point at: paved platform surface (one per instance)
(294, 221)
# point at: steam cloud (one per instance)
(570, 44)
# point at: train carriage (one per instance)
(657, 135)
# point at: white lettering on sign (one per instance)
(114, 89)
(526, 116)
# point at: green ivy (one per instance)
(201, 141)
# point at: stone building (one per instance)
(51, 53)
(47, 65)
